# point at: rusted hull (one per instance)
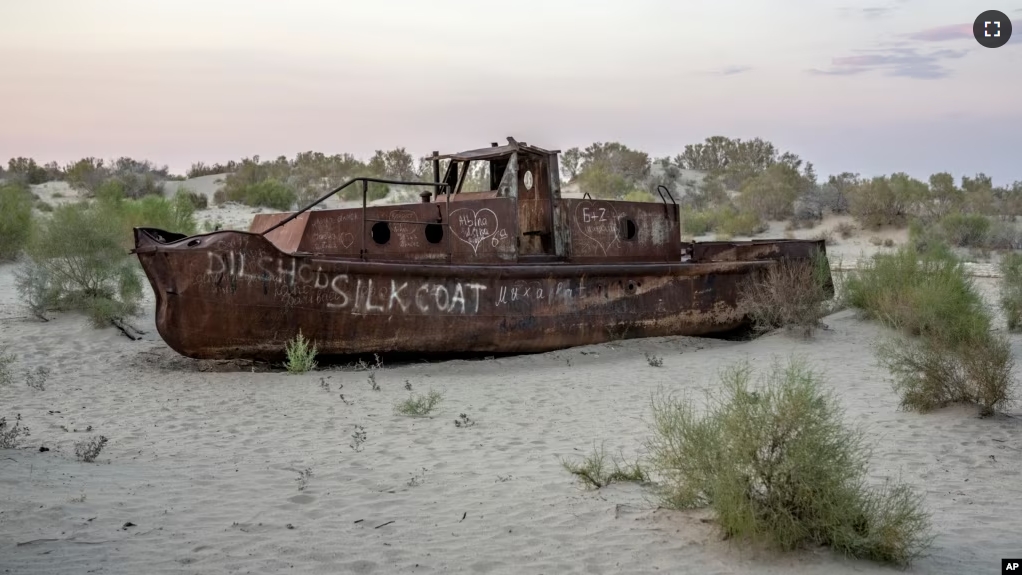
(235, 295)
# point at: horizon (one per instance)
(866, 87)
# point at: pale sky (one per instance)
(871, 86)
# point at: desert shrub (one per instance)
(845, 230)
(965, 230)
(919, 293)
(640, 196)
(43, 206)
(12, 434)
(739, 223)
(791, 294)
(884, 201)
(934, 372)
(422, 404)
(301, 354)
(37, 379)
(6, 361)
(697, 223)
(172, 215)
(777, 463)
(15, 220)
(198, 201)
(771, 194)
(724, 220)
(1011, 289)
(78, 262)
(90, 449)
(930, 296)
(594, 472)
(268, 193)
(1004, 236)
(219, 197)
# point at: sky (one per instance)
(871, 86)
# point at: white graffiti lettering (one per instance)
(308, 285)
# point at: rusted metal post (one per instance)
(365, 193)
(447, 218)
(436, 173)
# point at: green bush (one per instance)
(885, 201)
(268, 193)
(726, 220)
(777, 463)
(1011, 289)
(198, 201)
(965, 230)
(950, 355)
(78, 262)
(15, 220)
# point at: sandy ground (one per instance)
(203, 464)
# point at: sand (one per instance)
(203, 460)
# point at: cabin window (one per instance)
(628, 229)
(434, 233)
(380, 232)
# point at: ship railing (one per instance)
(365, 195)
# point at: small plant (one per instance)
(654, 361)
(464, 421)
(372, 381)
(89, 449)
(303, 478)
(6, 361)
(79, 499)
(418, 478)
(37, 379)
(11, 435)
(324, 385)
(594, 473)
(408, 385)
(1011, 289)
(345, 400)
(778, 464)
(300, 354)
(420, 404)
(358, 437)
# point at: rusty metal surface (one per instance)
(517, 270)
(235, 295)
(600, 231)
(286, 238)
(755, 250)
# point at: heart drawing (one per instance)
(597, 222)
(347, 239)
(474, 226)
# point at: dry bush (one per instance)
(931, 373)
(12, 434)
(885, 201)
(777, 463)
(90, 449)
(846, 229)
(1011, 289)
(791, 294)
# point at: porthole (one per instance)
(380, 232)
(628, 229)
(434, 233)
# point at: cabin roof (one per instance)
(496, 152)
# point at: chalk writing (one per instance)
(537, 291)
(306, 284)
(474, 226)
(598, 223)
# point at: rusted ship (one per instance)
(514, 269)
